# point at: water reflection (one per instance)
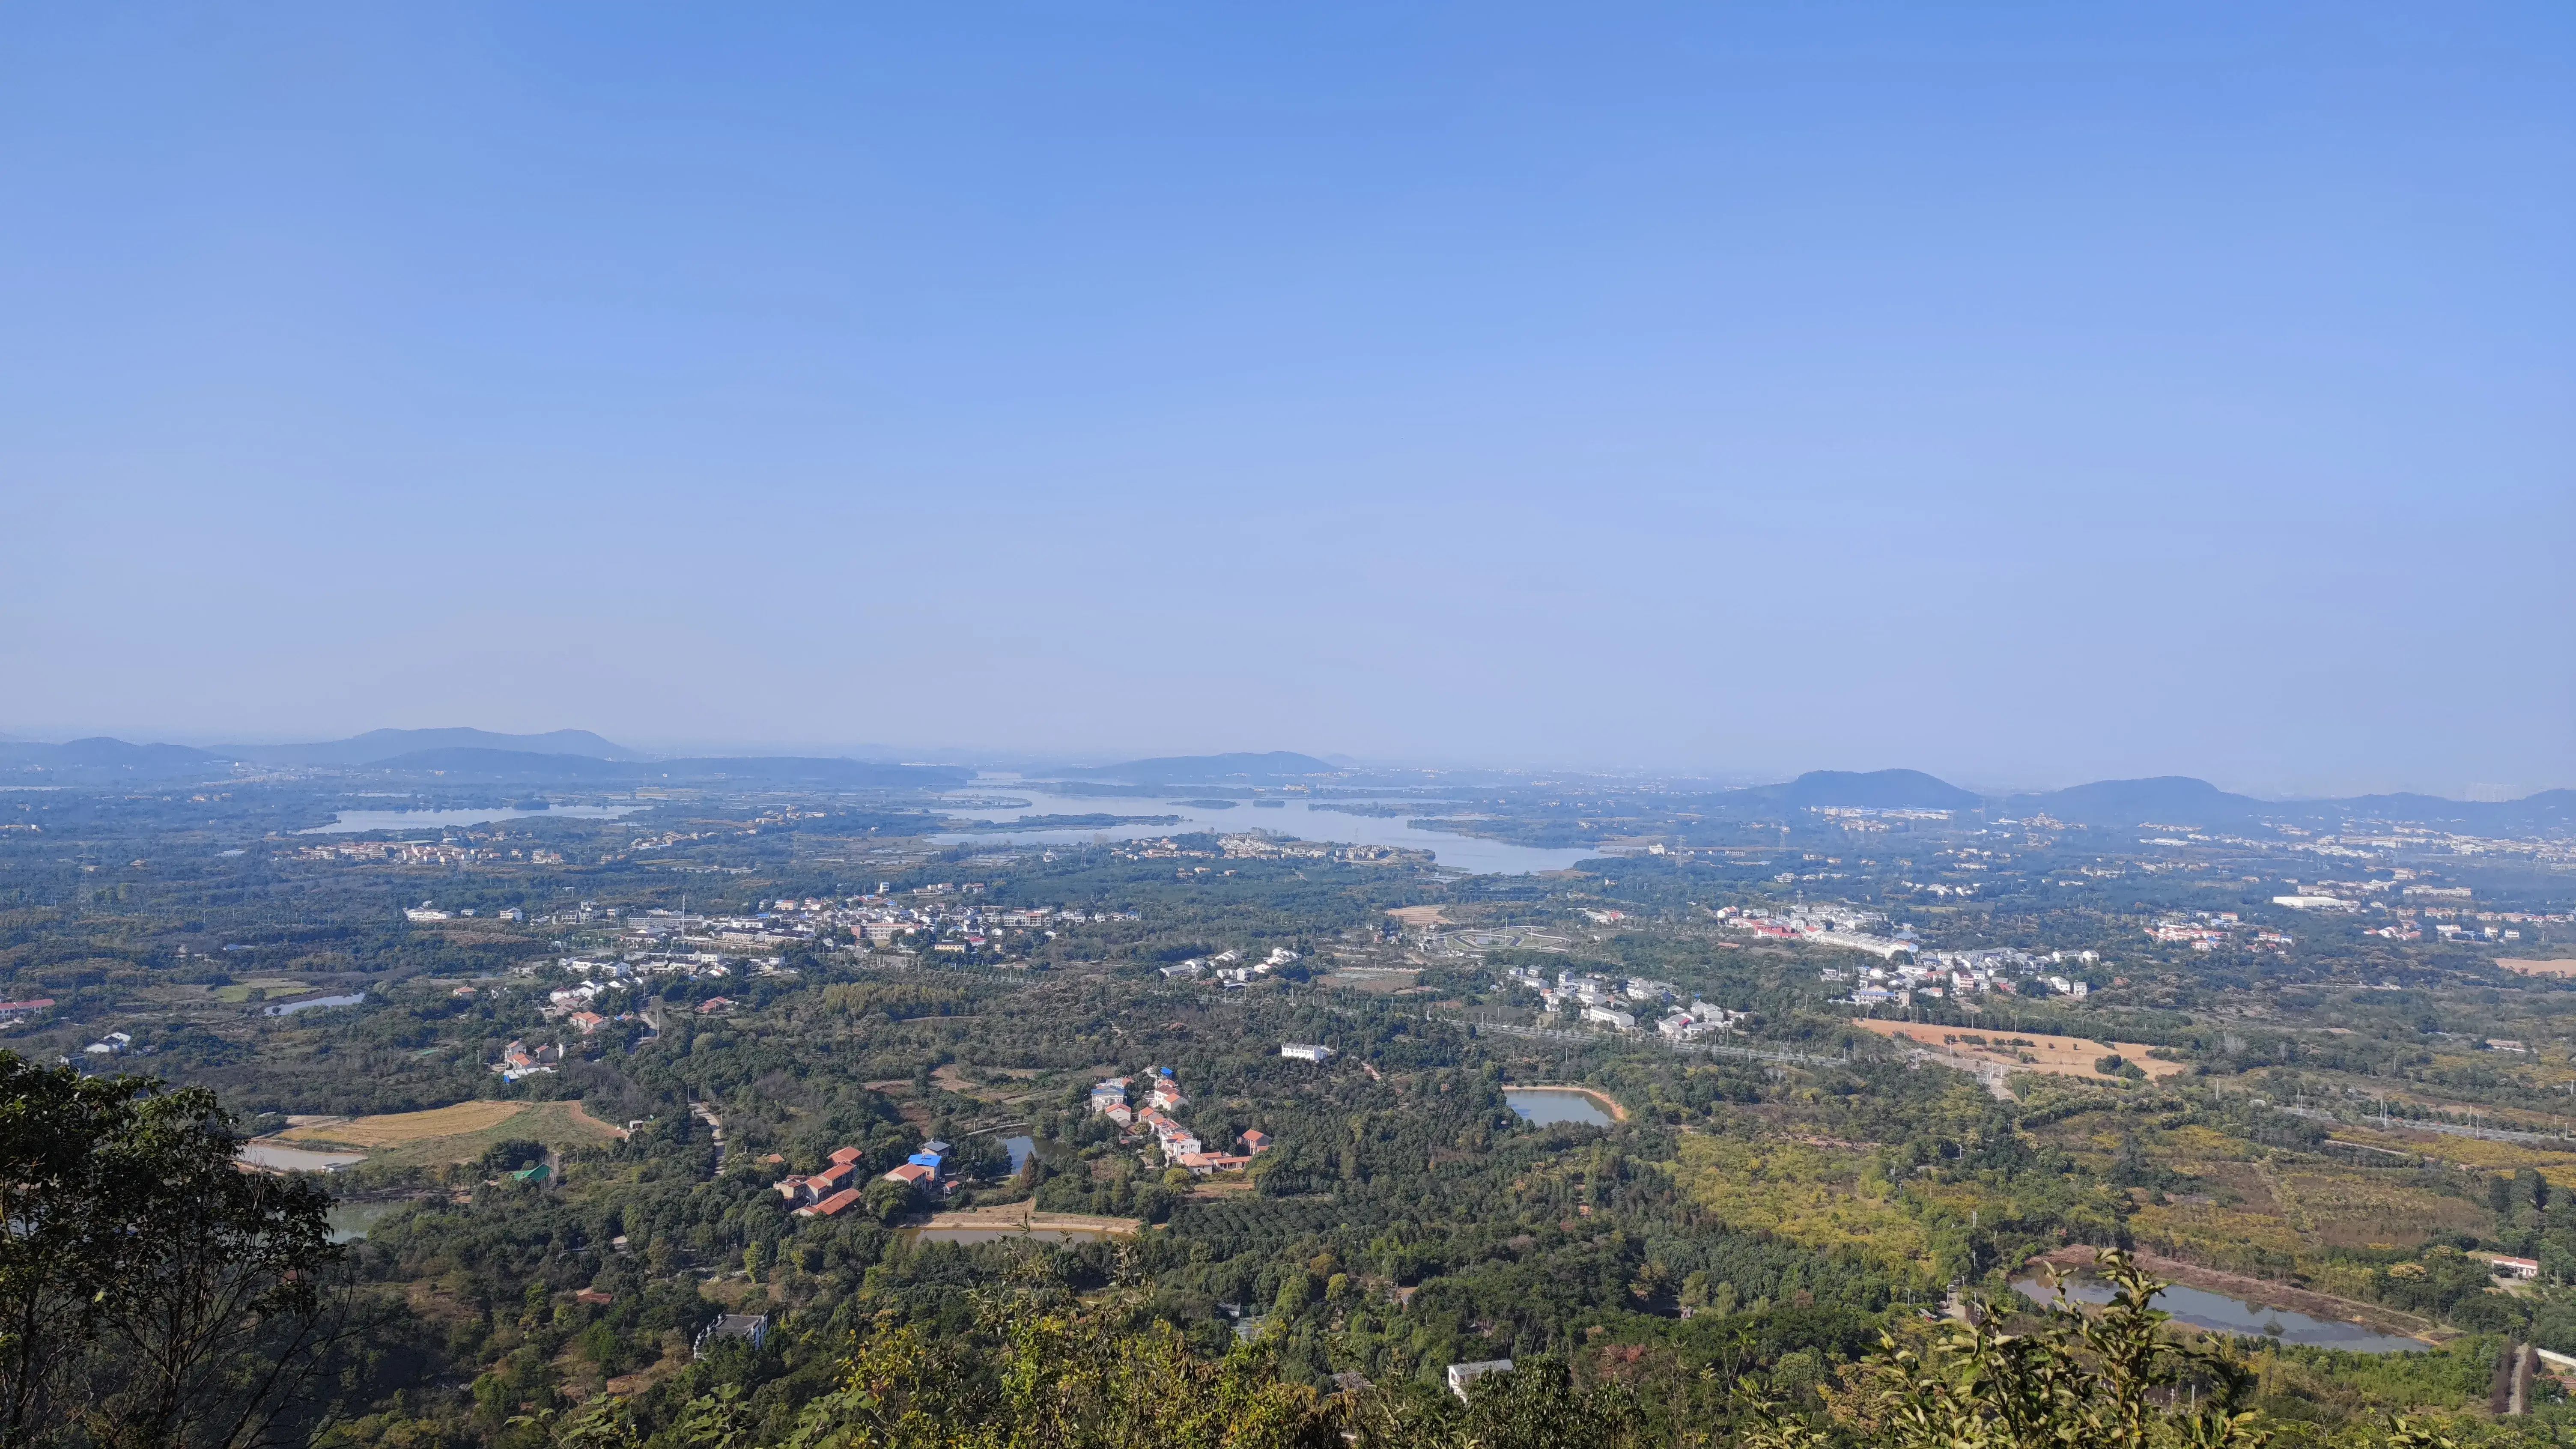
(1547, 1106)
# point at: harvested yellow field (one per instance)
(455, 1134)
(2527, 967)
(396, 1128)
(2062, 1056)
(1421, 916)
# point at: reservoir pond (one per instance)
(289, 1008)
(1548, 1106)
(2217, 1313)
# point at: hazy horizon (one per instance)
(2027, 397)
(1009, 757)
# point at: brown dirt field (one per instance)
(2563, 967)
(1013, 1217)
(1376, 980)
(2062, 1056)
(1419, 916)
(396, 1128)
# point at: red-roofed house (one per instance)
(1203, 1163)
(1256, 1140)
(912, 1172)
(830, 1205)
(833, 1179)
(842, 1155)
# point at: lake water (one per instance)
(1547, 1106)
(282, 1158)
(1021, 1149)
(2219, 1313)
(289, 1008)
(1300, 818)
(350, 822)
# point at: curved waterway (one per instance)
(2218, 1313)
(1300, 818)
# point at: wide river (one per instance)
(1298, 818)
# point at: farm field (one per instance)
(394, 1129)
(458, 1133)
(2064, 1056)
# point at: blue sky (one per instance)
(2023, 393)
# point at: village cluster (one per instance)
(1178, 1145)
(1256, 845)
(1618, 1002)
(1965, 973)
(835, 1189)
(1228, 967)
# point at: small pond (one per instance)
(351, 1221)
(2218, 1313)
(289, 1008)
(1547, 1106)
(1021, 1149)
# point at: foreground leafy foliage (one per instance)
(1050, 1371)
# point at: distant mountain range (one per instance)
(1237, 769)
(464, 756)
(578, 757)
(376, 745)
(526, 767)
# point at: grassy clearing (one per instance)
(239, 992)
